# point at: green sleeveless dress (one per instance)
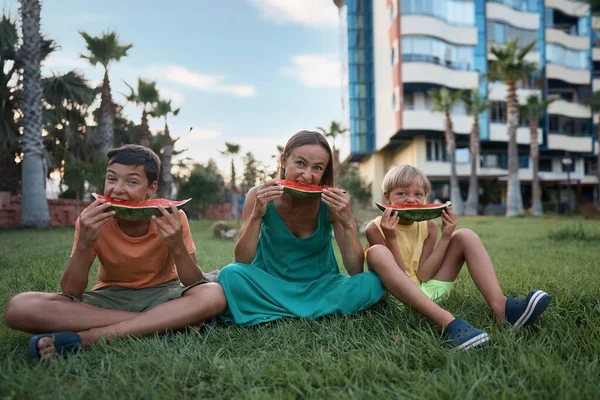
(292, 277)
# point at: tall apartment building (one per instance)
(399, 49)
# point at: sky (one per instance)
(251, 72)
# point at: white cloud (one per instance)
(315, 70)
(62, 62)
(313, 13)
(203, 82)
(168, 93)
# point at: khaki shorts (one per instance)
(134, 300)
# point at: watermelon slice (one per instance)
(139, 210)
(301, 189)
(413, 213)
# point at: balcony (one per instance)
(431, 71)
(421, 25)
(569, 109)
(426, 120)
(566, 36)
(574, 76)
(557, 141)
(522, 18)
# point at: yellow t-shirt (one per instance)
(134, 262)
(410, 241)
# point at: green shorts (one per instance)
(435, 289)
(133, 300)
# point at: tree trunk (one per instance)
(473, 199)
(514, 200)
(534, 153)
(166, 179)
(232, 183)
(144, 131)
(34, 206)
(107, 117)
(455, 197)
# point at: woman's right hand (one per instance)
(266, 193)
(389, 223)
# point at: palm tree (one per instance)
(443, 100)
(534, 109)
(335, 130)
(34, 207)
(476, 104)
(594, 104)
(146, 95)
(511, 67)
(67, 98)
(9, 107)
(232, 150)
(104, 50)
(163, 109)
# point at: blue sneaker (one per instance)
(520, 312)
(463, 336)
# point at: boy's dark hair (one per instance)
(133, 154)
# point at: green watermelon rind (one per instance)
(417, 214)
(130, 213)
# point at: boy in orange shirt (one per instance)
(148, 278)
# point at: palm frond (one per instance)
(104, 49)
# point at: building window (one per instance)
(501, 33)
(590, 166)
(562, 125)
(576, 59)
(436, 51)
(523, 161)
(545, 165)
(498, 114)
(436, 150)
(520, 5)
(462, 155)
(455, 12)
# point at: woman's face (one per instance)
(306, 164)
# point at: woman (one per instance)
(285, 265)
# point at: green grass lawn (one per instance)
(386, 352)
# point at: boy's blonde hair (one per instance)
(403, 176)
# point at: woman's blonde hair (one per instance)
(403, 176)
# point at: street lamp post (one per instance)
(567, 161)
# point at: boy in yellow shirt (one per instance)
(419, 273)
(148, 278)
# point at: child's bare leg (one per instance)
(465, 245)
(35, 312)
(382, 261)
(197, 304)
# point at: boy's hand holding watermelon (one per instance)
(92, 219)
(171, 229)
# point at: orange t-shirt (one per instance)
(134, 262)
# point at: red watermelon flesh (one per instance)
(417, 212)
(139, 210)
(301, 189)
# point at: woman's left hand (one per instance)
(339, 205)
